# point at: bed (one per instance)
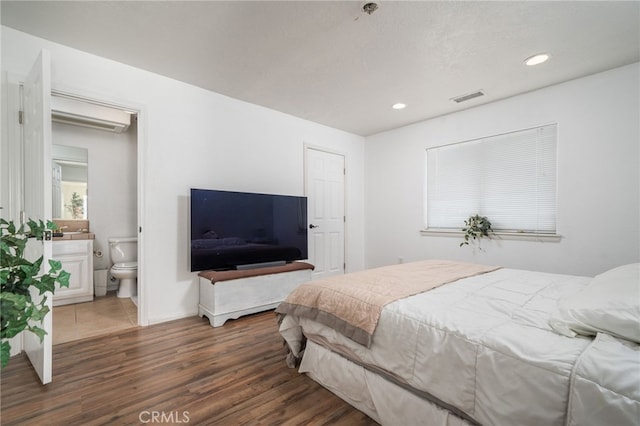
(449, 343)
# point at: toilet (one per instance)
(124, 256)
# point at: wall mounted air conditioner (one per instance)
(85, 114)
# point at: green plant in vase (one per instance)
(476, 228)
(18, 275)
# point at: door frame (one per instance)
(307, 147)
(12, 196)
(12, 146)
(140, 110)
(11, 157)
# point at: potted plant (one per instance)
(476, 227)
(18, 311)
(76, 208)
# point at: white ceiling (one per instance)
(330, 63)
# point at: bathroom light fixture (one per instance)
(398, 106)
(536, 59)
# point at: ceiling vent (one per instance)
(85, 114)
(468, 97)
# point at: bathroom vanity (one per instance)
(75, 252)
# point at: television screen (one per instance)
(235, 229)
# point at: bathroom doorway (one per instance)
(111, 207)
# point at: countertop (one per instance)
(75, 236)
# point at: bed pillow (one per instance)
(610, 304)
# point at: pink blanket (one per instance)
(352, 303)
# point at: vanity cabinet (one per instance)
(76, 257)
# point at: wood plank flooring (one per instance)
(180, 372)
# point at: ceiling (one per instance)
(330, 63)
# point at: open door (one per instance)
(37, 194)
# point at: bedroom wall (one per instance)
(195, 138)
(598, 179)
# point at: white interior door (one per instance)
(326, 214)
(37, 194)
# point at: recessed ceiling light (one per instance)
(398, 106)
(536, 59)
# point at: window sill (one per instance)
(498, 235)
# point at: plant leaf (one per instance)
(17, 276)
(5, 351)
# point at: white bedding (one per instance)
(382, 400)
(482, 346)
(605, 387)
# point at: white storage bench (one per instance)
(230, 294)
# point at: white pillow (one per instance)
(610, 304)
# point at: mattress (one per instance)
(482, 348)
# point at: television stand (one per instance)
(231, 294)
(260, 265)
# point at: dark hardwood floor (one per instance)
(180, 372)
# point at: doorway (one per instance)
(26, 191)
(112, 211)
(325, 188)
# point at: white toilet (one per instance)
(124, 256)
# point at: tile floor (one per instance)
(104, 315)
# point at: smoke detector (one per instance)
(369, 7)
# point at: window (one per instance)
(510, 178)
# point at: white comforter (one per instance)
(483, 346)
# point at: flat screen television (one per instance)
(233, 230)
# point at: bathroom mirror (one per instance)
(70, 182)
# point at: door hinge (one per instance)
(20, 116)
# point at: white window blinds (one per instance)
(509, 178)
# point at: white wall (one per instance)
(194, 138)
(598, 178)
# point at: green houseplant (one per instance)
(476, 227)
(18, 311)
(76, 208)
